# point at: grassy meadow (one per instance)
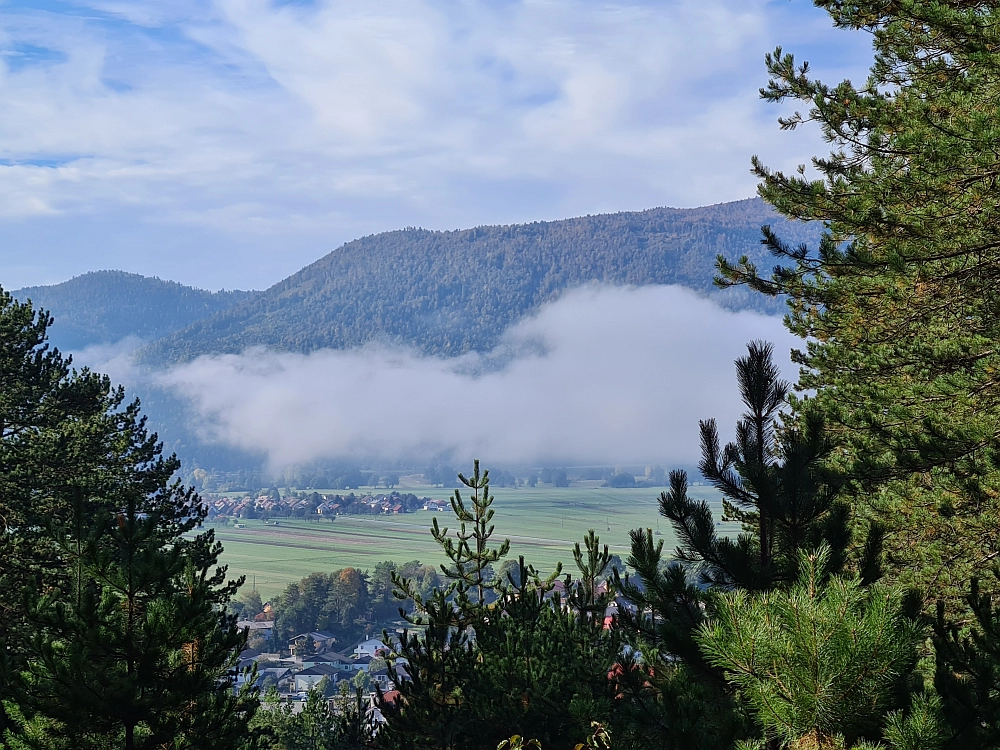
(542, 524)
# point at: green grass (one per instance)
(542, 524)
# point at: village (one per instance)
(286, 673)
(270, 504)
(312, 662)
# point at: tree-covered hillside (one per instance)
(107, 306)
(454, 292)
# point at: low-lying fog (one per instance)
(604, 375)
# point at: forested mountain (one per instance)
(107, 306)
(453, 292)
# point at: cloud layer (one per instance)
(603, 375)
(229, 142)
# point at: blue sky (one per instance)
(229, 143)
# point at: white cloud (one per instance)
(114, 359)
(622, 375)
(184, 139)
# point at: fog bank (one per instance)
(603, 375)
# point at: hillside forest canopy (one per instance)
(449, 293)
(854, 610)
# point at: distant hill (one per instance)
(107, 306)
(453, 292)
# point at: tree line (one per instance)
(448, 293)
(104, 307)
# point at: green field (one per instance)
(542, 525)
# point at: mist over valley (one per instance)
(590, 341)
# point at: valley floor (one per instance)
(542, 524)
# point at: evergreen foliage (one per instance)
(143, 653)
(103, 307)
(772, 480)
(495, 657)
(341, 723)
(113, 624)
(112, 620)
(967, 674)
(818, 664)
(449, 293)
(321, 601)
(898, 301)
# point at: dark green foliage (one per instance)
(102, 307)
(103, 585)
(899, 301)
(967, 675)
(470, 553)
(453, 292)
(142, 652)
(66, 442)
(425, 579)
(773, 481)
(343, 722)
(502, 657)
(250, 604)
(671, 695)
(320, 601)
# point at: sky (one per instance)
(227, 144)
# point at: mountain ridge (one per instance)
(104, 307)
(455, 291)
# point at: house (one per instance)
(362, 662)
(276, 676)
(320, 640)
(307, 679)
(381, 678)
(264, 627)
(281, 675)
(370, 647)
(340, 662)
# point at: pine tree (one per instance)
(821, 663)
(775, 481)
(60, 431)
(440, 655)
(772, 480)
(967, 674)
(502, 657)
(97, 573)
(142, 653)
(898, 303)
